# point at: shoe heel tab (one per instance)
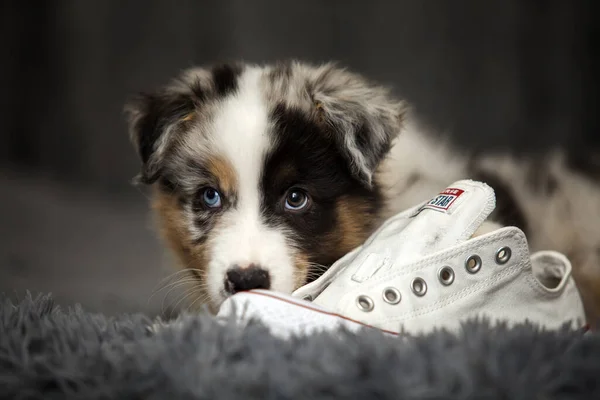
(548, 266)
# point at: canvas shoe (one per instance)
(285, 315)
(423, 270)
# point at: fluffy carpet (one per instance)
(50, 353)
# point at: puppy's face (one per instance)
(263, 176)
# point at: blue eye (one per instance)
(211, 198)
(296, 200)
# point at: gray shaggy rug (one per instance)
(49, 353)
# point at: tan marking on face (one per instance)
(355, 223)
(319, 112)
(301, 269)
(191, 116)
(174, 231)
(223, 170)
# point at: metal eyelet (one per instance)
(364, 303)
(391, 295)
(446, 276)
(418, 286)
(473, 264)
(503, 255)
(308, 297)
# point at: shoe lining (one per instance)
(548, 271)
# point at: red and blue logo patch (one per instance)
(444, 200)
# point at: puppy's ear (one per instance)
(363, 117)
(154, 121)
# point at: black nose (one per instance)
(239, 279)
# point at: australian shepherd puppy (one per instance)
(263, 176)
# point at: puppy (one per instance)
(263, 176)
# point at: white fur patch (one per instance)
(240, 132)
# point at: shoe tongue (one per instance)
(449, 218)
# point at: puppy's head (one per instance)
(263, 176)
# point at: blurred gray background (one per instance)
(515, 74)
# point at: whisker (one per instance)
(167, 305)
(179, 302)
(170, 276)
(195, 270)
(318, 267)
(318, 270)
(176, 283)
(140, 190)
(164, 284)
(173, 286)
(204, 298)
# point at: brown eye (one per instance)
(296, 200)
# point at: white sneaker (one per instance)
(284, 315)
(422, 270)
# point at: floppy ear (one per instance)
(363, 117)
(154, 121)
